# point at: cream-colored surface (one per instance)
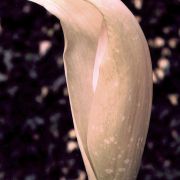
(109, 78)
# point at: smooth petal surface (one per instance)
(109, 78)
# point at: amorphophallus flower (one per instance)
(109, 79)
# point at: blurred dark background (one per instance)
(37, 140)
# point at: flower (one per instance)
(109, 79)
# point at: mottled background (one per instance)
(37, 140)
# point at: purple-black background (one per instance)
(37, 140)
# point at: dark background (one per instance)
(37, 140)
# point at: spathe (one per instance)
(109, 78)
